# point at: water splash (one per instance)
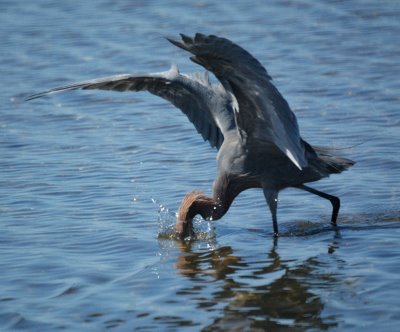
(203, 229)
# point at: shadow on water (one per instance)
(265, 295)
(270, 292)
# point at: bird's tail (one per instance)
(334, 164)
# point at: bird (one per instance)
(244, 117)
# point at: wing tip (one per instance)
(183, 44)
(35, 96)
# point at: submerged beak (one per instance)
(184, 229)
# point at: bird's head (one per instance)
(193, 203)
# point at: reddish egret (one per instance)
(244, 117)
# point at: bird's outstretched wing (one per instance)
(263, 114)
(193, 94)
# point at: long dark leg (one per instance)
(335, 201)
(272, 200)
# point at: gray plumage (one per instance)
(193, 94)
(245, 118)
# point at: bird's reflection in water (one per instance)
(267, 294)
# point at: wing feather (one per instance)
(193, 94)
(262, 114)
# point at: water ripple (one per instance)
(90, 180)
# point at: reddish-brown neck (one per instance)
(225, 191)
(196, 203)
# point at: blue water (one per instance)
(90, 181)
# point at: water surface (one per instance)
(90, 181)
